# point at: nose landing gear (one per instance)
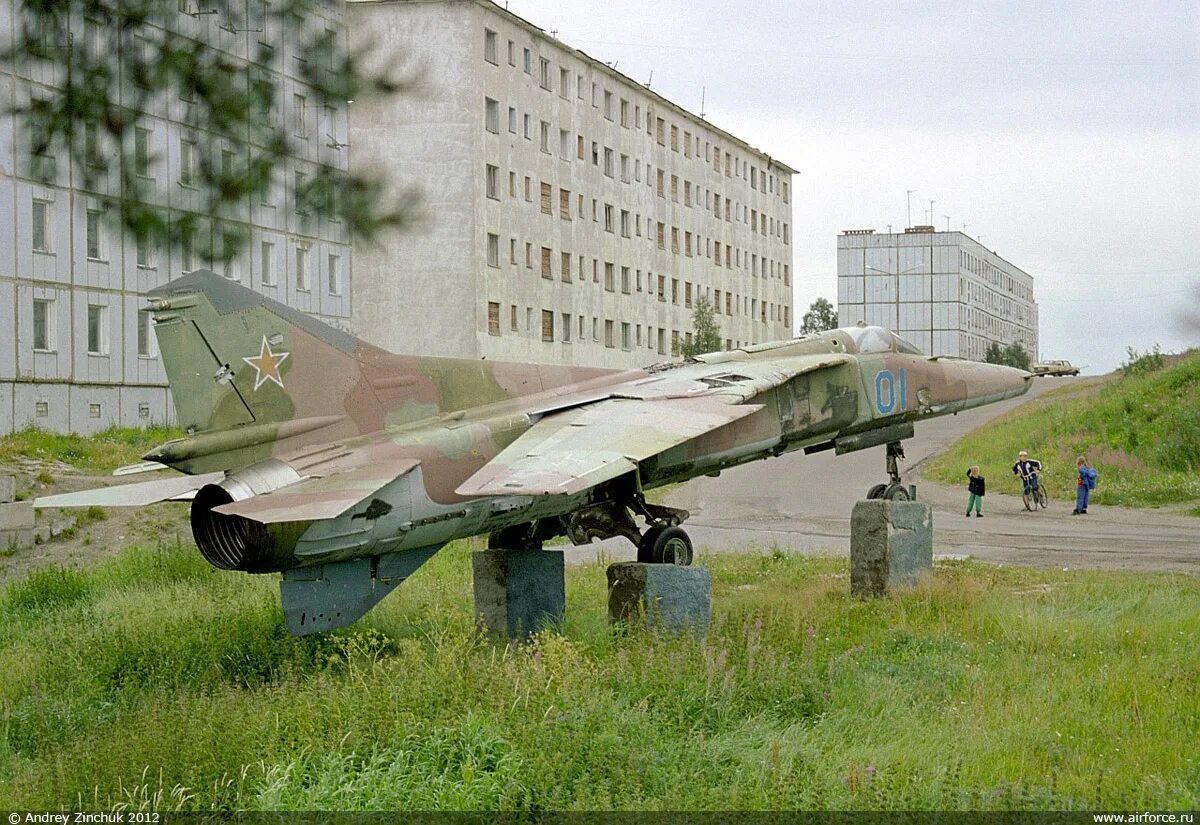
(893, 490)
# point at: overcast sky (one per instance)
(1066, 136)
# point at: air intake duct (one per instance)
(232, 542)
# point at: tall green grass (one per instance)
(104, 451)
(152, 681)
(1141, 431)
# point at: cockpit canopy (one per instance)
(878, 339)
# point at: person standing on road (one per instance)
(1027, 468)
(1086, 481)
(975, 490)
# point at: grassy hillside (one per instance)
(155, 681)
(1141, 431)
(102, 452)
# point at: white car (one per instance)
(1056, 368)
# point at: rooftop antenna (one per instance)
(703, 92)
(909, 192)
(947, 217)
(931, 203)
(648, 82)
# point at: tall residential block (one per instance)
(75, 353)
(943, 291)
(571, 214)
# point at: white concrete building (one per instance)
(571, 215)
(75, 354)
(942, 291)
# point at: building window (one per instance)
(145, 338)
(145, 251)
(609, 337)
(625, 339)
(545, 73)
(608, 105)
(143, 409)
(93, 410)
(492, 177)
(547, 272)
(608, 217)
(300, 116)
(564, 204)
(547, 325)
(546, 199)
(302, 268)
(527, 64)
(97, 330)
(545, 133)
(565, 274)
(187, 161)
(491, 115)
(493, 250)
(334, 274)
(564, 84)
(141, 152)
(512, 317)
(43, 325)
(266, 254)
(493, 318)
(489, 46)
(40, 220)
(625, 287)
(608, 277)
(95, 245)
(300, 182)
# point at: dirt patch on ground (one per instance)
(80, 537)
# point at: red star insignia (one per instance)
(267, 365)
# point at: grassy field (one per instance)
(154, 681)
(1142, 433)
(100, 453)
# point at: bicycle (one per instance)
(1033, 496)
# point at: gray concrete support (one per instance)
(891, 545)
(662, 595)
(16, 525)
(518, 592)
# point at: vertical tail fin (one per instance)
(236, 358)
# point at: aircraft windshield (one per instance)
(878, 339)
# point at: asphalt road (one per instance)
(801, 503)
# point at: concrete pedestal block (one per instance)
(891, 545)
(16, 525)
(667, 596)
(518, 592)
(8, 489)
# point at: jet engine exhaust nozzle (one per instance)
(232, 542)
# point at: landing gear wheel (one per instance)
(896, 492)
(665, 544)
(877, 491)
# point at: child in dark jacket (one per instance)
(975, 489)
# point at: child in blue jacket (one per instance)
(1085, 483)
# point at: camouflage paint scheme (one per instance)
(345, 466)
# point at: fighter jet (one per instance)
(344, 467)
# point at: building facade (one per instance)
(75, 353)
(570, 214)
(943, 291)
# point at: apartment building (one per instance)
(943, 291)
(75, 353)
(571, 214)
